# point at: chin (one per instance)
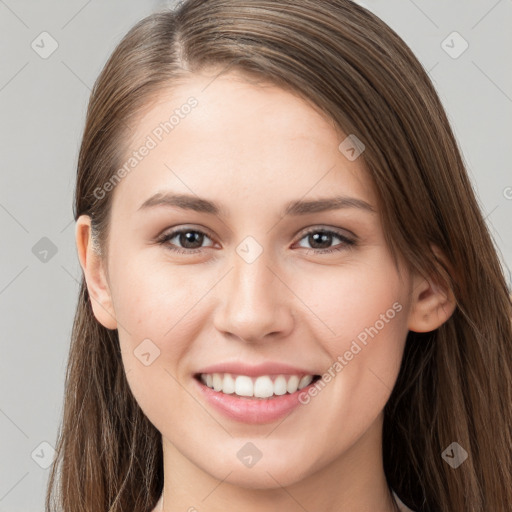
(273, 473)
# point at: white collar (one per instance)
(401, 505)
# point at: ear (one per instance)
(95, 275)
(431, 304)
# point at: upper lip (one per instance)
(268, 368)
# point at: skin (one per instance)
(252, 149)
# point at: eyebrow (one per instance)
(294, 208)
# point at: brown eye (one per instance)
(324, 238)
(190, 240)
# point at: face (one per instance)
(232, 281)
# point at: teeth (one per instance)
(264, 386)
(293, 384)
(305, 381)
(243, 386)
(228, 385)
(217, 382)
(280, 385)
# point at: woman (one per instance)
(221, 359)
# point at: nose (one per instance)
(254, 303)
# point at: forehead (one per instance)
(219, 133)
(228, 105)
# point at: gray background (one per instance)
(43, 103)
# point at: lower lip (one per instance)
(252, 410)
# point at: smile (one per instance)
(264, 386)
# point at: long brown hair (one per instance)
(455, 382)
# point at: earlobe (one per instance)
(431, 304)
(94, 273)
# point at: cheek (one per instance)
(160, 311)
(348, 300)
(157, 320)
(151, 298)
(363, 322)
(368, 315)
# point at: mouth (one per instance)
(262, 387)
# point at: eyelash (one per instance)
(347, 242)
